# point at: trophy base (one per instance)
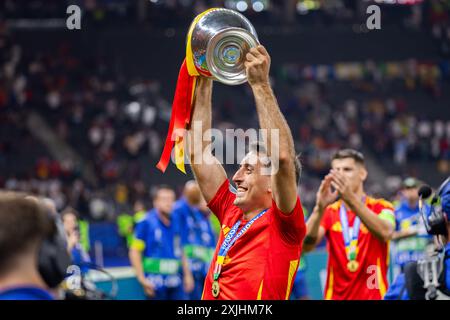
(225, 55)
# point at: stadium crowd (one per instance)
(112, 122)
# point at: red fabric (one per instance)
(181, 113)
(348, 285)
(262, 255)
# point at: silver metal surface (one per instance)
(219, 42)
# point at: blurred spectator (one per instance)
(79, 254)
(20, 245)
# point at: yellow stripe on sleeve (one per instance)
(137, 244)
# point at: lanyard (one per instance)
(229, 241)
(350, 235)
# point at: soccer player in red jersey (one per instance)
(259, 246)
(357, 227)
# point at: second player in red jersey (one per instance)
(369, 281)
(357, 228)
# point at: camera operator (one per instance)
(25, 226)
(429, 278)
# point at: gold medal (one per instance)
(215, 289)
(352, 265)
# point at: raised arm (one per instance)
(314, 231)
(283, 181)
(208, 171)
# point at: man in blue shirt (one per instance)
(157, 259)
(410, 238)
(24, 224)
(399, 289)
(197, 238)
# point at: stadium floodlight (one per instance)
(258, 6)
(242, 6)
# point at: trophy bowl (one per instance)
(219, 42)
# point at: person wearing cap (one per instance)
(410, 237)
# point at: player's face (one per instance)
(411, 194)
(353, 171)
(253, 187)
(70, 222)
(164, 201)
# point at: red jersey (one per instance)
(263, 262)
(369, 282)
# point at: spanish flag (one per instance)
(182, 105)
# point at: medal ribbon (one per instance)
(229, 241)
(350, 235)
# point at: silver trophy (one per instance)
(219, 42)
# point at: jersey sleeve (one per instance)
(291, 226)
(385, 210)
(140, 236)
(222, 201)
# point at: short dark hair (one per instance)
(156, 189)
(70, 210)
(349, 153)
(24, 223)
(259, 147)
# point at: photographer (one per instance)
(429, 278)
(25, 224)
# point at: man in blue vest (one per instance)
(24, 224)
(157, 259)
(197, 238)
(411, 237)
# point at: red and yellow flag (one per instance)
(182, 105)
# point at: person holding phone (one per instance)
(79, 256)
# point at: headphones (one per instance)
(53, 258)
(436, 223)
